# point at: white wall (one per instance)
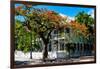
(5, 35)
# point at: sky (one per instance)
(66, 10)
(70, 11)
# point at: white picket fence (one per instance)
(20, 56)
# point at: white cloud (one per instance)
(69, 18)
(91, 13)
(62, 15)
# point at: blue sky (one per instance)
(66, 10)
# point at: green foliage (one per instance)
(88, 20)
(85, 18)
(23, 38)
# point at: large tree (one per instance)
(88, 21)
(42, 21)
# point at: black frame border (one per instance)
(12, 65)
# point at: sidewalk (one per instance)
(71, 60)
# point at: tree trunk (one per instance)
(45, 41)
(31, 46)
(45, 52)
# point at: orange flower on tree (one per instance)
(79, 28)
